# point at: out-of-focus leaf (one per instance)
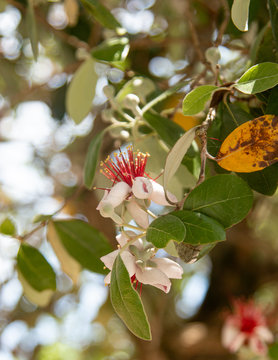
(101, 14)
(35, 269)
(140, 86)
(240, 13)
(92, 160)
(41, 217)
(225, 198)
(83, 242)
(68, 264)
(273, 12)
(273, 351)
(176, 155)
(7, 227)
(258, 78)
(165, 228)
(127, 303)
(32, 28)
(72, 10)
(113, 51)
(200, 229)
(195, 101)
(81, 91)
(252, 146)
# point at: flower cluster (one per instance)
(141, 264)
(246, 326)
(130, 186)
(134, 189)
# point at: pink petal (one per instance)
(154, 277)
(169, 267)
(107, 279)
(138, 214)
(142, 187)
(109, 259)
(118, 193)
(229, 335)
(158, 195)
(264, 333)
(129, 261)
(124, 236)
(257, 346)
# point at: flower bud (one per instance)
(142, 187)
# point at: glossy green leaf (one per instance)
(200, 229)
(7, 227)
(176, 155)
(101, 14)
(113, 51)
(81, 91)
(195, 101)
(83, 242)
(35, 269)
(258, 78)
(240, 13)
(32, 29)
(127, 303)
(165, 228)
(225, 198)
(92, 160)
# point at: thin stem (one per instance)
(133, 227)
(131, 241)
(224, 24)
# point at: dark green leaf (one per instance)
(272, 103)
(113, 51)
(273, 351)
(101, 14)
(7, 227)
(83, 243)
(92, 160)
(81, 91)
(35, 269)
(258, 78)
(165, 228)
(127, 303)
(273, 12)
(226, 198)
(200, 229)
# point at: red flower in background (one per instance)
(246, 326)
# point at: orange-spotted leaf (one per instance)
(252, 146)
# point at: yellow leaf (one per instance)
(185, 121)
(252, 146)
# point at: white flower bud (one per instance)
(131, 101)
(142, 187)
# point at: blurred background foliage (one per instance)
(42, 154)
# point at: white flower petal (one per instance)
(229, 333)
(103, 198)
(107, 279)
(129, 261)
(118, 193)
(264, 333)
(154, 277)
(142, 187)
(257, 345)
(158, 195)
(109, 259)
(124, 236)
(138, 214)
(169, 267)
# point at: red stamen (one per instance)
(136, 284)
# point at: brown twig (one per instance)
(224, 24)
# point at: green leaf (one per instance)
(200, 229)
(35, 269)
(41, 217)
(272, 103)
(195, 101)
(101, 14)
(7, 227)
(226, 198)
(127, 303)
(92, 160)
(273, 351)
(32, 29)
(258, 78)
(165, 228)
(84, 243)
(240, 13)
(113, 51)
(176, 155)
(273, 12)
(168, 131)
(81, 91)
